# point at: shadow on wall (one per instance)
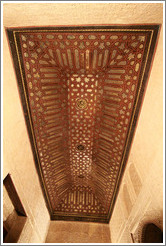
(152, 234)
(150, 228)
(14, 215)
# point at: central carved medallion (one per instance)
(81, 90)
(81, 103)
(80, 147)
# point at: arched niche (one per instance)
(151, 233)
(154, 217)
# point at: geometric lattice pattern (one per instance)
(81, 200)
(81, 89)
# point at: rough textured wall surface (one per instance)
(144, 182)
(78, 232)
(146, 152)
(17, 155)
(33, 14)
(8, 208)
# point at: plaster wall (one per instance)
(146, 152)
(37, 14)
(8, 207)
(17, 155)
(78, 232)
(140, 197)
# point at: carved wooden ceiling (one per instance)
(81, 90)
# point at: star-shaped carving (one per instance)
(36, 75)
(39, 93)
(86, 80)
(121, 111)
(141, 38)
(131, 56)
(34, 55)
(81, 46)
(62, 46)
(122, 46)
(127, 77)
(102, 46)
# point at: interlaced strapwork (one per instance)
(82, 88)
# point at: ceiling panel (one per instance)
(81, 89)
